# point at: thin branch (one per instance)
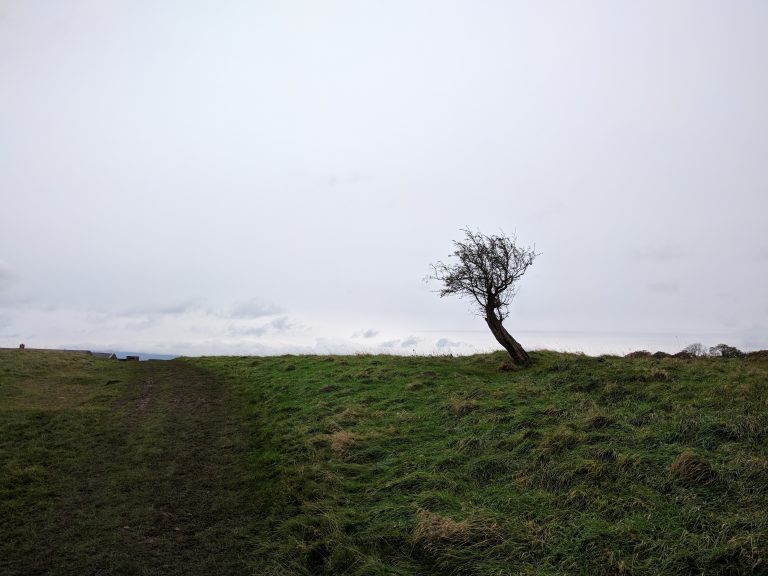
(487, 270)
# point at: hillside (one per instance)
(383, 465)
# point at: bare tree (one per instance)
(696, 350)
(487, 271)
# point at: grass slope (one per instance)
(383, 465)
(576, 465)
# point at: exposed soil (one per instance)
(146, 393)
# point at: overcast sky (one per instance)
(265, 177)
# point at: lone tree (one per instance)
(487, 270)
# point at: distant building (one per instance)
(107, 355)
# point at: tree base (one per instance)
(516, 352)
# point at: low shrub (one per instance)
(639, 354)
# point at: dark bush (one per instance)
(683, 354)
(639, 354)
(725, 351)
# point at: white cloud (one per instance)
(370, 333)
(257, 331)
(143, 323)
(276, 326)
(171, 309)
(281, 324)
(255, 308)
(367, 334)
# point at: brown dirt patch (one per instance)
(146, 394)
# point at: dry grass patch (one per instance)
(692, 470)
(461, 407)
(559, 439)
(341, 441)
(433, 527)
(435, 532)
(351, 415)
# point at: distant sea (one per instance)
(143, 355)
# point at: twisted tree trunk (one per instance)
(516, 352)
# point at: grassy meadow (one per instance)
(358, 465)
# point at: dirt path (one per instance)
(184, 490)
(139, 469)
(146, 393)
(151, 484)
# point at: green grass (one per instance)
(384, 465)
(117, 468)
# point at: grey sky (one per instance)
(212, 177)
